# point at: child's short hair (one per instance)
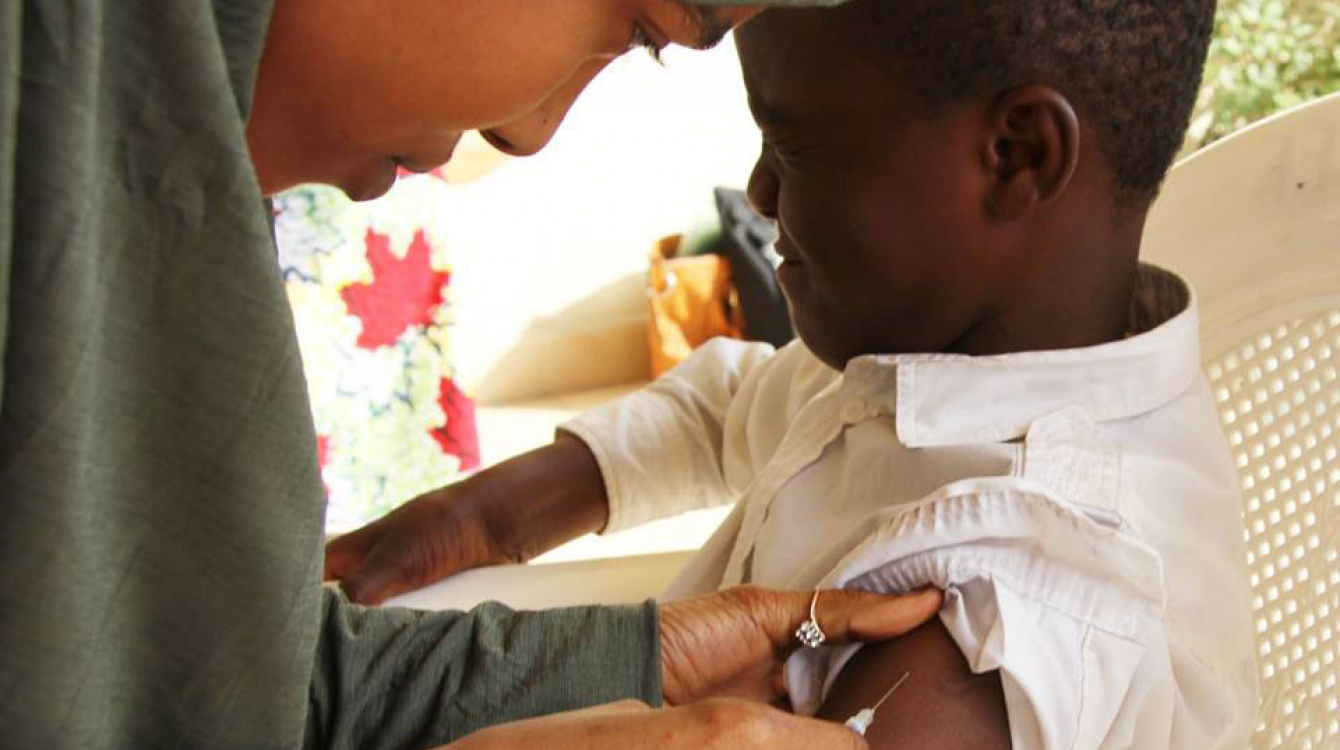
(1131, 68)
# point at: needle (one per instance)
(896, 685)
(866, 716)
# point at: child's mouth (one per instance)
(791, 275)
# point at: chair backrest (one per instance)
(1253, 222)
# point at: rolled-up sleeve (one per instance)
(1068, 610)
(400, 678)
(660, 449)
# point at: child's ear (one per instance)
(1031, 149)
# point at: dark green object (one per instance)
(747, 239)
(160, 505)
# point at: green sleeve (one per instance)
(10, 44)
(399, 678)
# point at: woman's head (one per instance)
(348, 91)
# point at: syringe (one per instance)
(866, 716)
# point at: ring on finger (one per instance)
(809, 633)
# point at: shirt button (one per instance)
(855, 410)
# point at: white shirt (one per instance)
(1079, 507)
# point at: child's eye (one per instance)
(642, 40)
(787, 153)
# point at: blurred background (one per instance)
(1267, 55)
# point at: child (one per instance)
(990, 395)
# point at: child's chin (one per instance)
(826, 351)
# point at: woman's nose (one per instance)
(531, 132)
(762, 189)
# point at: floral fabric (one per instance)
(369, 285)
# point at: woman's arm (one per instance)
(393, 677)
(716, 724)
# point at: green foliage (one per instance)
(1267, 55)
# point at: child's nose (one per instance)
(762, 190)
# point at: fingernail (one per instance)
(361, 591)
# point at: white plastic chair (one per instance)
(1254, 223)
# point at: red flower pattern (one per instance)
(457, 436)
(323, 453)
(322, 450)
(437, 172)
(403, 293)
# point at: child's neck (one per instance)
(1078, 295)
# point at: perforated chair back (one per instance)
(1253, 222)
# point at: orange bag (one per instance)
(691, 300)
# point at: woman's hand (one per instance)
(509, 513)
(734, 642)
(714, 724)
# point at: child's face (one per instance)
(877, 197)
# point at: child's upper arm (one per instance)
(1063, 615)
(941, 706)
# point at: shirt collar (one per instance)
(954, 399)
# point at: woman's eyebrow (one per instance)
(709, 27)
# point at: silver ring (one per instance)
(809, 633)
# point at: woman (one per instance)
(162, 511)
